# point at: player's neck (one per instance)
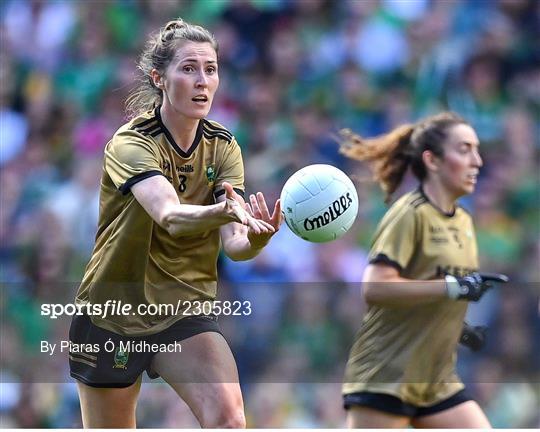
(182, 129)
(439, 196)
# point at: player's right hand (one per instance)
(473, 286)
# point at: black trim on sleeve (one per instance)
(384, 259)
(213, 128)
(211, 131)
(150, 129)
(143, 123)
(126, 187)
(222, 191)
(216, 135)
(418, 201)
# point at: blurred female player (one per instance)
(171, 191)
(422, 272)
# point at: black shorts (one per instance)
(96, 357)
(393, 405)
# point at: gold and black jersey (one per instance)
(134, 260)
(410, 351)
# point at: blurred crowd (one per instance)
(292, 74)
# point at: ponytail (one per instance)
(388, 155)
(391, 154)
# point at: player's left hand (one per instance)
(258, 208)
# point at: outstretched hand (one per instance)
(234, 205)
(258, 209)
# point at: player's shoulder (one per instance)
(402, 214)
(212, 129)
(463, 213)
(135, 138)
(140, 130)
(147, 125)
(408, 205)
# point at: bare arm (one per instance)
(235, 242)
(384, 286)
(158, 197)
(240, 242)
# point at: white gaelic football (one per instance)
(319, 203)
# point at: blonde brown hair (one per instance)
(390, 155)
(159, 51)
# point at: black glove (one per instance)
(473, 286)
(473, 337)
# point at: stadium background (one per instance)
(292, 73)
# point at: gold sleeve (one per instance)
(395, 240)
(130, 158)
(231, 170)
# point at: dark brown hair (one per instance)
(159, 51)
(390, 155)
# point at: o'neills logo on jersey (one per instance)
(185, 169)
(335, 210)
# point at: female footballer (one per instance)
(421, 275)
(171, 191)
